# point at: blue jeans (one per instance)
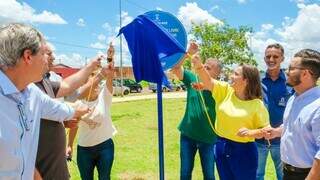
(188, 150)
(236, 161)
(263, 151)
(100, 156)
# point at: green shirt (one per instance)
(195, 123)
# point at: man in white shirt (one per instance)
(23, 60)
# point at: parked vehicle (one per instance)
(117, 89)
(153, 88)
(132, 84)
(174, 87)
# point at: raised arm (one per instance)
(106, 73)
(178, 69)
(203, 74)
(73, 82)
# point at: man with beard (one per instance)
(275, 96)
(51, 156)
(300, 132)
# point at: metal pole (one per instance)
(121, 74)
(160, 132)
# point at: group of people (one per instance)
(31, 148)
(235, 125)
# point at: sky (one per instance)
(79, 30)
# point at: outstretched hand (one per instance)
(73, 123)
(110, 53)
(271, 133)
(196, 61)
(193, 48)
(81, 110)
(108, 70)
(69, 152)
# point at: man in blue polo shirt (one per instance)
(276, 93)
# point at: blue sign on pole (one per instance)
(175, 28)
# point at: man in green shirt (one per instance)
(197, 125)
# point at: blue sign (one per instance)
(175, 28)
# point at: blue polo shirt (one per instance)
(275, 96)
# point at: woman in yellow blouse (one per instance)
(241, 117)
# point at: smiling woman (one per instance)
(241, 115)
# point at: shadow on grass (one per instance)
(126, 116)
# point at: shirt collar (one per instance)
(282, 75)
(6, 85)
(315, 91)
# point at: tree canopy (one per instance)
(221, 41)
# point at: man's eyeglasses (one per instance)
(291, 68)
(207, 68)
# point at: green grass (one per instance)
(136, 143)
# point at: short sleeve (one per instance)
(55, 87)
(220, 90)
(261, 115)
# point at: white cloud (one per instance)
(267, 27)
(81, 22)
(102, 37)
(295, 34)
(98, 45)
(305, 27)
(126, 19)
(11, 10)
(159, 8)
(192, 13)
(103, 41)
(74, 60)
(107, 27)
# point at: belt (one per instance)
(290, 168)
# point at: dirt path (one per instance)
(168, 95)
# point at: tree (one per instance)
(228, 44)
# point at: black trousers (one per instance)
(292, 175)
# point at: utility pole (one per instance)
(121, 74)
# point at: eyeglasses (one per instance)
(291, 68)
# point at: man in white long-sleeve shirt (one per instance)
(23, 60)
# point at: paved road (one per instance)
(167, 95)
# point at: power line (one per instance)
(75, 45)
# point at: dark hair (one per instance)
(310, 59)
(253, 88)
(277, 46)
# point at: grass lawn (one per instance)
(136, 143)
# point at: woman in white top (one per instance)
(95, 144)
